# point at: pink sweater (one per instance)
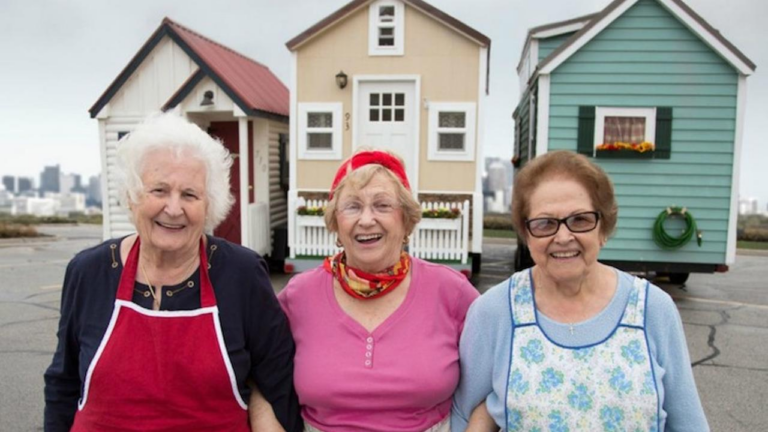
(398, 378)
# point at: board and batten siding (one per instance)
(647, 58)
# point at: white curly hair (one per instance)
(169, 131)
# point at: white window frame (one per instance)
(374, 23)
(434, 153)
(602, 112)
(335, 109)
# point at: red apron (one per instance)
(161, 370)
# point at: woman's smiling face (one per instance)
(171, 210)
(370, 224)
(564, 257)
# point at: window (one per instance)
(386, 107)
(452, 131)
(621, 132)
(386, 28)
(319, 130)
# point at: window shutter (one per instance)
(586, 139)
(663, 133)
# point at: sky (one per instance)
(58, 56)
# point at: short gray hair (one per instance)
(171, 132)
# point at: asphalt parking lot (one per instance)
(725, 318)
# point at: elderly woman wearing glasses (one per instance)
(572, 344)
(376, 330)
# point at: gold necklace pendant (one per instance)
(155, 295)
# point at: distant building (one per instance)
(49, 180)
(10, 183)
(93, 194)
(24, 184)
(497, 185)
(748, 206)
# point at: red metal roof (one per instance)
(253, 82)
(250, 84)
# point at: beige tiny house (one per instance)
(232, 97)
(398, 75)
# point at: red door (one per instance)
(228, 133)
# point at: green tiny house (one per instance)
(657, 96)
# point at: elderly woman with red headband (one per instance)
(376, 330)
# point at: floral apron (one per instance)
(161, 370)
(607, 386)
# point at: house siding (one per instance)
(647, 58)
(446, 62)
(547, 45)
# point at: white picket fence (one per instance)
(432, 239)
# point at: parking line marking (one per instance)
(723, 302)
(50, 287)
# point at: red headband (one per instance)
(367, 158)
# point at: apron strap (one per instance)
(128, 277)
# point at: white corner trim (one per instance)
(470, 131)
(588, 36)
(707, 37)
(244, 161)
(106, 230)
(542, 116)
(477, 223)
(482, 100)
(305, 153)
(557, 31)
(293, 125)
(741, 106)
(533, 59)
(373, 29)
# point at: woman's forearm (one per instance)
(261, 415)
(481, 420)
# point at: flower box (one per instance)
(440, 224)
(313, 221)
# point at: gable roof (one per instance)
(552, 29)
(421, 5)
(678, 8)
(250, 84)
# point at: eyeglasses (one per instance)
(578, 223)
(356, 208)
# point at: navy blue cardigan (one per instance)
(256, 332)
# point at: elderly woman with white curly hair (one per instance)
(165, 329)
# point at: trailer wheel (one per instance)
(678, 278)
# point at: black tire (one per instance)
(678, 278)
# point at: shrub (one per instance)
(498, 221)
(16, 230)
(753, 234)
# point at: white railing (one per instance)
(442, 239)
(311, 237)
(258, 215)
(432, 239)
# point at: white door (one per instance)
(386, 113)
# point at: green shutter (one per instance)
(663, 133)
(586, 142)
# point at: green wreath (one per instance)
(668, 242)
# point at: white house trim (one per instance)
(542, 116)
(398, 49)
(416, 79)
(477, 198)
(602, 112)
(106, 229)
(586, 37)
(468, 154)
(557, 31)
(243, 160)
(335, 152)
(707, 37)
(293, 194)
(730, 249)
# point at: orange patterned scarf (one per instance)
(365, 286)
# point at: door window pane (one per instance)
(400, 99)
(387, 99)
(399, 114)
(374, 115)
(386, 114)
(374, 99)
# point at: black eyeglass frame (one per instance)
(563, 221)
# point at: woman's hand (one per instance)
(260, 414)
(481, 420)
